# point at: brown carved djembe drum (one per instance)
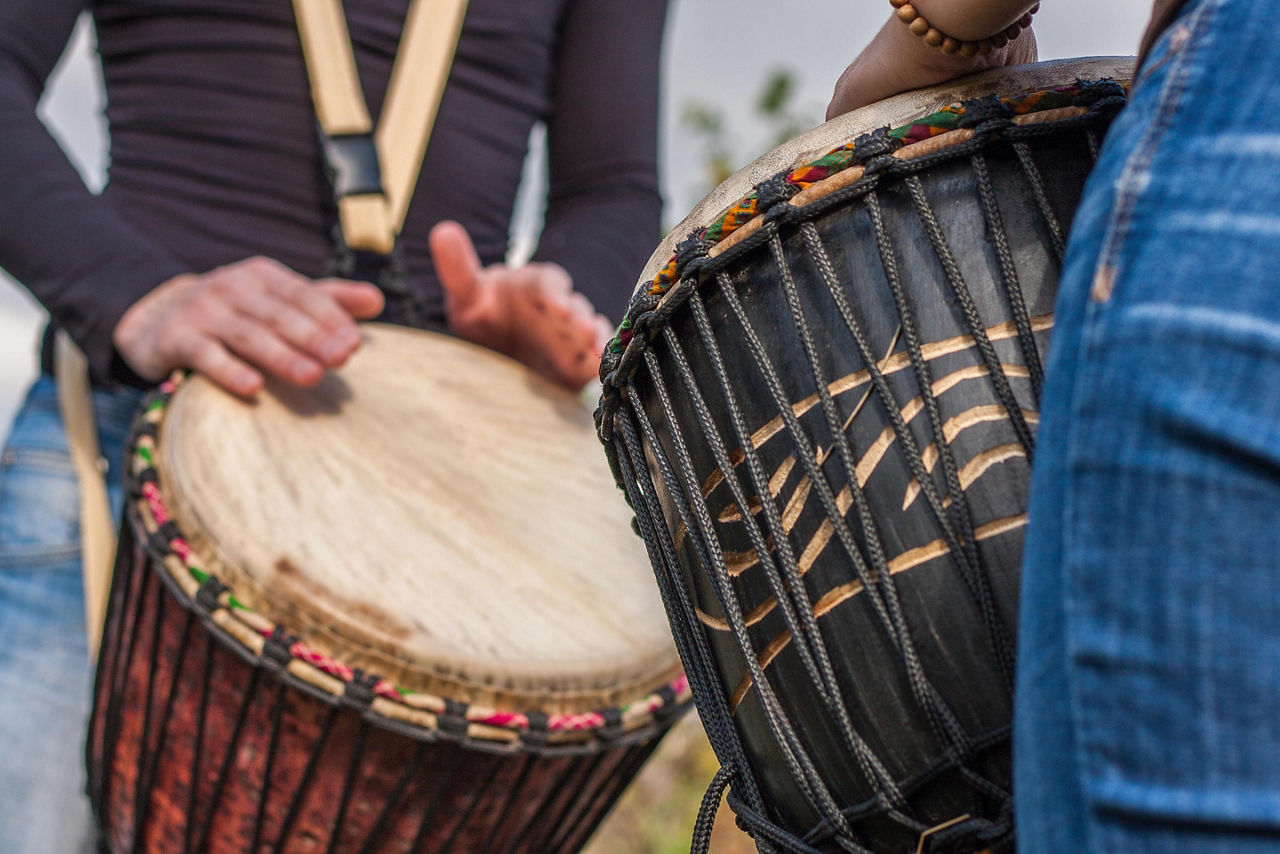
(822, 406)
(399, 612)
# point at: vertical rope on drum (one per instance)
(880, 586)
(197, 753)
(579, 775)
(571, 772)
(429, 814)
(1092, 139)
(698, 659)
(967, 554)
(608, 795)
(1036, 179)
(141, 791)
(108, 671)
(348, 784)
(970, 310)
(791, 610)
(823, 673)
(115, 707)
(471, 807)
(798, 763)
(397, 792)
(302, 786)
(1009, 275)
(242, 714)
(713, 709)
(277, 716)
(513, 794)
(163, 728)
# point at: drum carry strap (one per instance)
(97, 525)
(375, 171)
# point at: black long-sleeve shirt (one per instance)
(214, 154)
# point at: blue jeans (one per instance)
(45, 672)
(1148, 701)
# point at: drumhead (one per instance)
(433, 513)
(891, 112)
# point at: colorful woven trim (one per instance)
(663, 702)
(837, 160)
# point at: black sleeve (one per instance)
(604, 209)
(79, 258)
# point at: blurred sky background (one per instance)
(718, 53)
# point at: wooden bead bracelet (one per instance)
(948, 44)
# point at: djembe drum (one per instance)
(399, 612)
(822, 407)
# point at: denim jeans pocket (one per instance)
(39, 510)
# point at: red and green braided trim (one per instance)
(517, 721)
(837, 160)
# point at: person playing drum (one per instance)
(1148, 669)
(211, 247)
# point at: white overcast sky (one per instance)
(717, 51)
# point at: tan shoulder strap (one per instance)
(97, 525)
(371, 221)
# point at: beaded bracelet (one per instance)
(948, 44)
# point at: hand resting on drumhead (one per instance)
(896, 61)
(237, 322)
(530, 313)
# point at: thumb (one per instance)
(456, 263)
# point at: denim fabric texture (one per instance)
(1148, 695)
(45, 673)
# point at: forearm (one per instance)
(896, 61)
(972, 20)
(603, 210)
(80, 259)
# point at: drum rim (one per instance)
(420, 715)
(798, 188)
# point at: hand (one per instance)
(896, 61)
(529, 313)
(236, 322)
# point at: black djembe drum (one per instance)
(822, 408)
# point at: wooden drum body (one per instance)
(823, 409)
(398, 612)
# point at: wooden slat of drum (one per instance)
(432, 512)
(892, 112)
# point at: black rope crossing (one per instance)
(798, 763)
(693, 646)
(878, 585)
(970, 310)
(1032, 173)
(1009, 276)
(966, 554)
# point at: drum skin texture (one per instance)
(273, 677)
(824, 415)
